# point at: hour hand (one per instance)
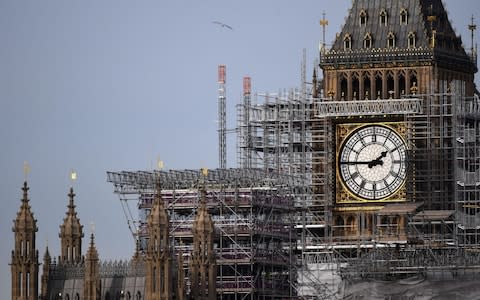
(382, 155)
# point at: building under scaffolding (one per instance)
(376, 166)
(420, 87)
(252, 213)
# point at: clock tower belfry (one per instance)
(393, 81)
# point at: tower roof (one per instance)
(25, 219)
(418, 28)
(92, 253)
(71, 223)
(46, 256)
(158, 215)
(203, 220)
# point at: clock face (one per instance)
(372, 162)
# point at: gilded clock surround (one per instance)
(343, 194)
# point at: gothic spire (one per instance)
(24, 264)
(92, 277)
(71, 233)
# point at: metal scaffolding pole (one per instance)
(222, 117)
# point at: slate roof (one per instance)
(447, 44)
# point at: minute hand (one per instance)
(356, 162)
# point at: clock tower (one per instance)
(394, 83)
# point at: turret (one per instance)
(203, 264)
(47, 260)
(71, 234)
(24, 265)
(158, 257)
(91, 290)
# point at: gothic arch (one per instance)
(367, 41)
(402, 84)
(378, 85)
(390, 84)
(367, 86)
(347, 42)
(340, 224)
(412, 40)
(355, 86)
(363, 17)
(343, 86)
(351, 224)
(383, 17)
(391, 40)
(403, 16)
(413, 83)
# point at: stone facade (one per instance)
(151, 275)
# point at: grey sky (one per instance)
(111, 85)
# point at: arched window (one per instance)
(391, 40)
(339, 224)
(129, 296)
(367, 86)
(390, 85)
(411, 40)
(413, 84)
(355, 87)
(77, 297)
(403, 17)
(67, 297)
(402, 85)
(347, 42)
(139, 296)
(367, 41)
(378, 86)
(343, 88)
(351, 224)
(383, 17)
(363, 18)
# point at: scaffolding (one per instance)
(293, 133)
(222, 117)
(252, 214)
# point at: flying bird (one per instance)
(223, 25)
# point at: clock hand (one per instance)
(378, 160)
(355, 162)
(371, 164)
(382, 155)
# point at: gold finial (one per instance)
(160, 163)
(26, 169)
(73, 175)
(324, 24)
(205, 172)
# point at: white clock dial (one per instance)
(372, 162)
